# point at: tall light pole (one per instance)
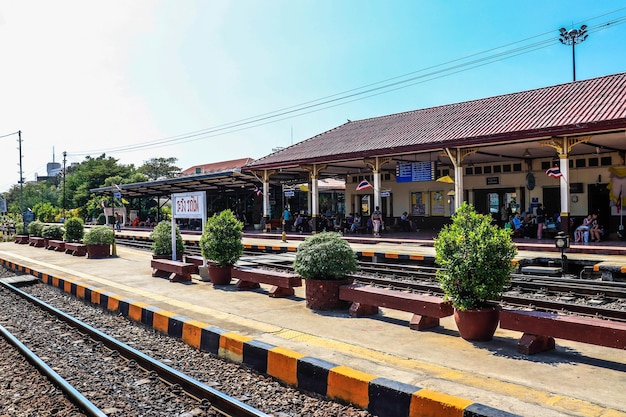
(573, 37)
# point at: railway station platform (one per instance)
(575, 379)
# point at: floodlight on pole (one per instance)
(573, 37)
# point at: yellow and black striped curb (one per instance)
(380, 396)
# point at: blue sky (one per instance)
(90, 77)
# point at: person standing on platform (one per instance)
(377, 220)
(541, 219)
(287, 219)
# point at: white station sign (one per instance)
(188, 205)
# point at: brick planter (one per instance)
(324, 294)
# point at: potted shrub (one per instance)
(476, 264)
(53, 233)
(324, 260)
(221, 244)
(35, 229)
(99, 240)
(161, 237)
(74, 229)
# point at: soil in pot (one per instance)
(324, 294)
(477, 325)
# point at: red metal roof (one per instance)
(217, 166)
(566, 109)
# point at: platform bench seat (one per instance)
(21, 239)
(76, 249)
(38, 242)
(426, 309)
(194, 259)
(176, 271)
(283, 283)
(541, 328)
(56, 245)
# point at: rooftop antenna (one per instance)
(53, 154)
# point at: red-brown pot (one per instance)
(98, 251)
(324, 294)
(477, 325)
(220, 275)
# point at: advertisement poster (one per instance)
(418, 208)
(437, 207)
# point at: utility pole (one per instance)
(64, 202)
(19, 139)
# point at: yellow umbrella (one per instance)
(446, 178)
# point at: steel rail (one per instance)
(68, 390)
(219, 400)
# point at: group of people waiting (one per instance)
(523, 224)
(590, 230)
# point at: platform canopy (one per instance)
(218, 178)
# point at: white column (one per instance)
(376, 184)
(564, 183)
(266, 197)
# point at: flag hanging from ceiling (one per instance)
(554, 172)
(258, 191)
(363, 185)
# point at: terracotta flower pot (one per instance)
(477, 325)
(324, 294)
(220, 275)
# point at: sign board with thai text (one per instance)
(189, 205)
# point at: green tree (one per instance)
(159, 168)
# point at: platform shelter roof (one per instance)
(220, 177)
(504, 127)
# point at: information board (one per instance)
(188, 205)
(415, 171)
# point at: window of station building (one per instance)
(571, 163)
(506, 168)
(545, 165)
(469, 170)
(487, 170)
(606, 161)
(517, 167)
(594, 162)
(478, 170)
(386, 176)
(497, 169)
(581, 163)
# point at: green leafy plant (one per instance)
(99, 235)
(325, 256)
(53, 231)
(221, 239)
(35, 228)
(74, 229)
(19, 228)
(161, 238)
(475, 257)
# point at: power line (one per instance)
(367, 91)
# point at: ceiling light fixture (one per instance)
(526, 154)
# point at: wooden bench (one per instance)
(282, 283)
(38, 242)
(540, 329)
(57, 245)
(76, 249)
(194, 259)
(21, 239)
(176, 271)
(426, 309)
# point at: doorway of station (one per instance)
(551, 201)
(491, 201)
(600, 203)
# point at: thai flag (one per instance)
(363, 185)
(554, 172)
(258, 191)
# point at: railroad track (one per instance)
(69, 344)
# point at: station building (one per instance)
(563, 146)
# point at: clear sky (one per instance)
(93, 77)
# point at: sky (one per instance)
(215, 80)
